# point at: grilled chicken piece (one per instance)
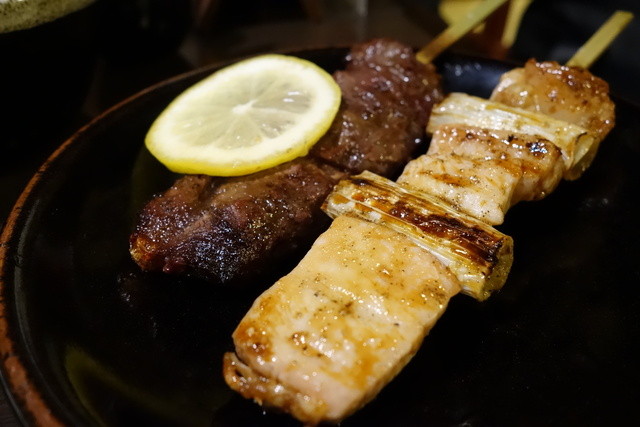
(479, 255)
(226, 229)
(328, 336)
(484, 172)
(571, 94)
(574, 141)
(481, 188)
(538, 160)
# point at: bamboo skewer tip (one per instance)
(589, 53)
(455, 31)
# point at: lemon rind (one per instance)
(162, 140)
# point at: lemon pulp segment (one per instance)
(246, 117)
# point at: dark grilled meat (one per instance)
(387, 98)
(223, 229)
(217, 228)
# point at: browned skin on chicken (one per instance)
(571, 94)
(538, 161)
(327, 337)
(223, 229)
(484, 172)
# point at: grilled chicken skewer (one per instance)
(540, 111)
(565, 104)
(328, 336)
(324, 339)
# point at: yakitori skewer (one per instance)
(327, 337)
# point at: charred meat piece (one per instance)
(222, 229)
(387, 99)
(216, 228)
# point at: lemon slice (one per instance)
(247, 117)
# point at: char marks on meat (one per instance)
(222, 229)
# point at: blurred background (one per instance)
(56, 75)
(168, 36)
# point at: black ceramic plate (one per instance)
(87, 339)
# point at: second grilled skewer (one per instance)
(317, 378)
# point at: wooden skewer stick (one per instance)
(454, 32)
(600, 40)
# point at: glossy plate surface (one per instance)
(88, 339)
